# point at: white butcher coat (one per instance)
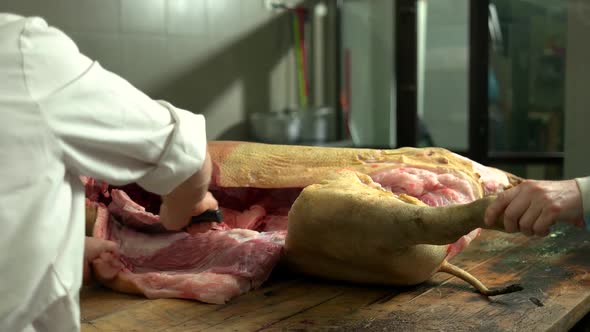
(584, 186)
(61, 116)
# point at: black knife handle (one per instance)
(209, 215)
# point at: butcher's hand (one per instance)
(189, 199)
(93, 247)
(533, 206)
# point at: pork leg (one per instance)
(347, 227)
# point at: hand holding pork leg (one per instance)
(188, 199)
(533, 207)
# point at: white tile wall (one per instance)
(228, 106)
(89, 15)
(224, 14)
(187, 17)
(253, 13)
(155, 44)
(144, 60)
(186, 52)
(143, 16)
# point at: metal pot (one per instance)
(311, 126)
(276, 127)
(318, 125)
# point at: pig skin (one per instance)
(344, 226)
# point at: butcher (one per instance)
(63, 117)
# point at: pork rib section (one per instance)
(212, 266)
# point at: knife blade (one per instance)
(212, 215)
(209, 215)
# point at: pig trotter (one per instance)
(480, 287)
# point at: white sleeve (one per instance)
(106, 127)
(584, 186)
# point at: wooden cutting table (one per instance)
(553, 271)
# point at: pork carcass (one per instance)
(366, 215)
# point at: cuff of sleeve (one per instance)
(184, 154)
(584, 186)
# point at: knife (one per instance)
(207, 216)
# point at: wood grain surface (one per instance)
(552, 270)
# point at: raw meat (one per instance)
(256, 186)
(212, 265)
(396, 241)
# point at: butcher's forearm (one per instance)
(199, 182)
(179, 205)
(193, 189)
